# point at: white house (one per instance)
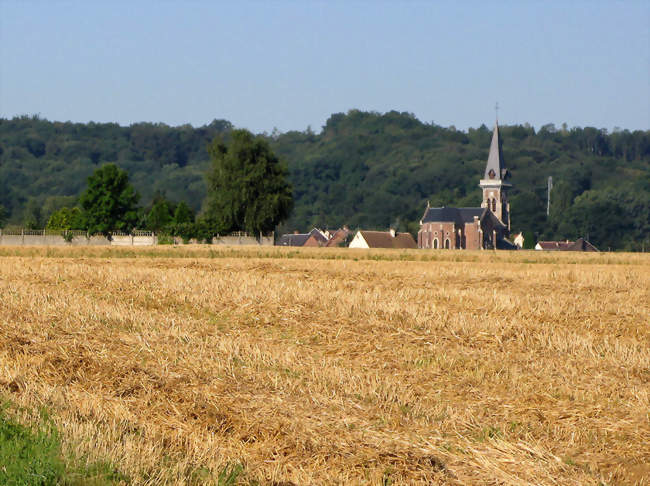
(382, 239)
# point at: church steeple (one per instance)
(495, 168)
(493, 184)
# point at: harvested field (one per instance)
(335, 366)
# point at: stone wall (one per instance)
(48, 238)
(232, 240)
(140, 238)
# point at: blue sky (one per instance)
(289, 65)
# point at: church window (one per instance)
(491, 174)
(435, 243)
(494, 205)
(447, 244)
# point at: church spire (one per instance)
(495, 168)
(495, 188)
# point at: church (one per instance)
(487, 227)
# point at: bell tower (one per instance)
(493, 185)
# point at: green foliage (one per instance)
(3, 216)
(186, 231)
(613, 218)
(228, 476)
(159, 216)
(247, 186)
(165, 239)
(183, 214)
(31, 456)
(66, 219)
(202, 230)
(109, 202)
(33, 218)
(367, 170)
(528, 211)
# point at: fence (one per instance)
(50, 238)
(233, 239)
(46, 237)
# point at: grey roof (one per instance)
(505, 244)
(582, 245)
(495, 157)
(320, 237)
(299, 239)
(456, 215)
(293, 239)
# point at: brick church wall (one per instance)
(472, 236)
(440, 231)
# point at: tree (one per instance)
(33, 216)
(66, 219)
(247, 186)
(109, 202)
(160, 215)
(183, 214)
(3, 216)
(598, 216)
(528, 214)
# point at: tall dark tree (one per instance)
(247, 186)
(109, 202)
(3, 216)
(160, 215)
(183, 214)
(33, 216)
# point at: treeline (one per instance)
(362, 169)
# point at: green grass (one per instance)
(29, 457)
(32, 456)
(266, 252)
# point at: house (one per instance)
(382, 239)
(339, 237)
(519, 241)
(474, 228)
(314, 238)
(579, 245)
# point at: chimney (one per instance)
(392, 232)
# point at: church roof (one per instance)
(495, 158)
(456, 215)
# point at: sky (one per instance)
(289, 65)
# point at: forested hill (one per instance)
(363, 169)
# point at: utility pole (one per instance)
(548, 195)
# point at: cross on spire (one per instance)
(496, 109)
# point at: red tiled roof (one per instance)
(338, 237)
(579, 245)
(555, 245)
